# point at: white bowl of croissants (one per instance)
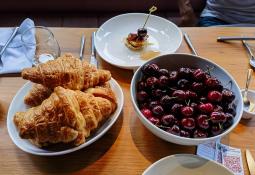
(66, 102)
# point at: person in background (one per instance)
(188, 17)
(228, 12)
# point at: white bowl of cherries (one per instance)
(186, 99)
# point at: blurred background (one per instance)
(92, 13)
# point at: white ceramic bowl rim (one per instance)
(175, 136)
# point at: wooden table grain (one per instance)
(128, 147)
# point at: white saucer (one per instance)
(164, 35)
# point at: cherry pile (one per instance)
(186, 102)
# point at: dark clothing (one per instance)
(208, 21)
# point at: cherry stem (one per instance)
(231, 84)
(161, 126)
(220, 126)
(173, 89)
(209, 69)
(152, 9)
(187, 103)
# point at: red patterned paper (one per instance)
(233, 163)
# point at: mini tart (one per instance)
(135, 43)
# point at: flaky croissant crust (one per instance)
(37, 94)
(66, 116)
(68, 72)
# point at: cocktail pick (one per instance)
(152, 9)
(142, 32)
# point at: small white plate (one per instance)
(186, 164)
(164, 35)
(17, 104)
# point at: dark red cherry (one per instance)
(227, 95)
(166, 100)
(229, 120)
(200, 134)
(197, 87)
(214, 96)
(205, 108)
(173, 76)
(199, 75)
(177, 122)
(158, 110)
(152, 82)
(202, 121)
(188, 123)
(213, 83)
(180, 94)
(187, 111)
(183, 84)
(174, 130)
(164, 72)
(147, 113)
(154, 120)
(217, 108)
(163, 81)
(150, 69)
(154, 103)
(217, 117)
(216, 129)
(141, 85)
(231, 108)
(142, 96)
(194, 106)
(168, 120)
(157, 93)
(185, 72)
(176, 108)
(191, 95)
(185, 133)
(143, 105)
(203, 99)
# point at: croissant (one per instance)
(37, 94)
(68, 72)
(66, 116)
(103, 91)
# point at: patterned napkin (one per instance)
(228, 156)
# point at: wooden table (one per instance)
(128, 148)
